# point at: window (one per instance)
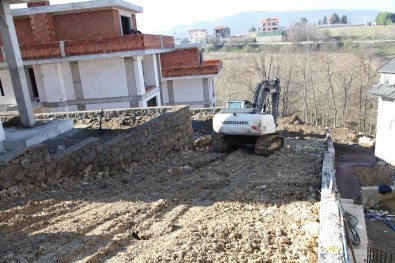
(126, 25)
(1, 89)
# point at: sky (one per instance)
(164, 15)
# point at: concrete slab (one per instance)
(360, 250)
(43, 130)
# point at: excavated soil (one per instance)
(193, 206)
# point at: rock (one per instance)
(13, 191)
(25, 163)
(203, 141)
(311, 228)
(19, 176)
(47, 158)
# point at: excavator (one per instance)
(243, 122)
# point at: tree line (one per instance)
(323, 88)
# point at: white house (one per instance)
(385, 90)
(197, 35)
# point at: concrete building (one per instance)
(188, 79)
(269, 31)
(90, 55)
(385, 90)
(222, 32)
(197, 36)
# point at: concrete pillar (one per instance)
(15, 65)
(150, 71)
(139, 75)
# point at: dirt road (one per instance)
(195, 206)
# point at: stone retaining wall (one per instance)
(171, 131)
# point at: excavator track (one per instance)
(220, 142)
(267, 145)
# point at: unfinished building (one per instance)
(91, 55)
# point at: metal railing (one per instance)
(377, 254)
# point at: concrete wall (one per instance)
(269, 39)
(385, 135)
(103, 78)
(112, 83)
(390, 78)
(149, 142)
(57, 81)
(197, 92)
(9, 95)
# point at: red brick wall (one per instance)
(42, 27)
(180, 58)
(23, 31)
(34, 4)
(134, 22)
(95, 24)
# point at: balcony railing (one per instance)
(209, 67)
(69, 48)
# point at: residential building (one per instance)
(188, 79)
(222, 32)
(385, 131)
(269, 31)
(197, 36)
(88, 56)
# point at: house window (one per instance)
(126, 25)
(1, 89)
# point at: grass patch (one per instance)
(362, 32)
(388, 51)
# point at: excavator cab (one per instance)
(238, 104)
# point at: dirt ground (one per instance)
(193, 206)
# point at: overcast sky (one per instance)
(164, 15)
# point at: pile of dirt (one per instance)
(195, 206)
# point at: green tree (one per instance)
(334, 19)
(252, 29)
(325, 21)
(303, 20)
(319, 22)
(344, 20)
(385, 18)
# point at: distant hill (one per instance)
(240, 23)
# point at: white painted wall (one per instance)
(103, 78)
(9, 95)
(385, 137)
(390, 78)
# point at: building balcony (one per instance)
(209, 67)
(68, 48)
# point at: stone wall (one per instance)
(170, 131)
